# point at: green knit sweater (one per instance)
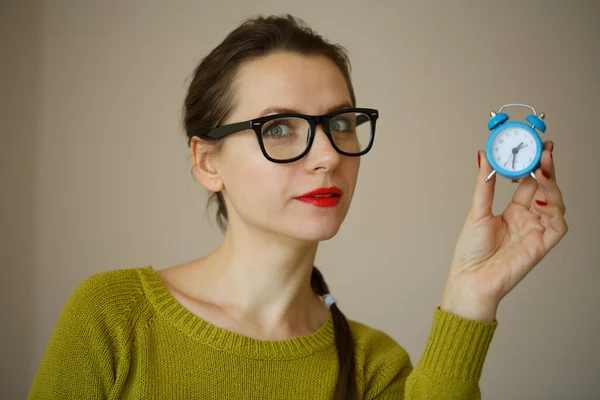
(123, 336)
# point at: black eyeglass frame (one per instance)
(313, 120)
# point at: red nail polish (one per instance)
(546, 175)
(479, 159)
(541, 203)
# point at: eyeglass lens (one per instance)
(286, 138)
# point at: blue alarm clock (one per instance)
(514, 149)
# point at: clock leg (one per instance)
(533, 176)
(490, 176)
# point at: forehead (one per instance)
(308, 84)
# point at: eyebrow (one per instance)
(284, 110)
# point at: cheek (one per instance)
(250, 179)
(349, 170)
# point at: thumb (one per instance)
(483, 195)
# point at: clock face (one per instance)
(514, 149)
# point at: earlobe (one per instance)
(204, 165)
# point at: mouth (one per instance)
(322, 197)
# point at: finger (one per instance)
(549, 191)
(525, 192)
(546, 176)
(483, 195)
(556, 224)
(547, 162)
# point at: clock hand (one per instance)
(515, 150)
(513, 153)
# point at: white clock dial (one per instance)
(514, 149)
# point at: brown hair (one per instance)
(210, 100)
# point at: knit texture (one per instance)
(122, 335)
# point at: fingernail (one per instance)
(546, 175)
(541, 203)
(479, 159)
(551, 151)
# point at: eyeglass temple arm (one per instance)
(361, 119)
(222, 131)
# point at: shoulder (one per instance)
(88, 343)
(383, 361)
(107, 296)
(374, 342)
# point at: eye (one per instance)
(341, 124)
(276, 129)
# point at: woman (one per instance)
(275, 135)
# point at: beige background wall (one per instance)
(95, 170)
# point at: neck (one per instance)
(264, 279)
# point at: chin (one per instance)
(309, 227)
(317, 236)
(314, 231)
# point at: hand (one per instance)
(495, 252)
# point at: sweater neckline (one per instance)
(216, 337)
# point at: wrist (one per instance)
(473, 310)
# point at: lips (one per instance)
(322, 197)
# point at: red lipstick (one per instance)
(322, 197)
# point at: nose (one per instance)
(322, 154)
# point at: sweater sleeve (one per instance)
(451, 365)
(80, 359)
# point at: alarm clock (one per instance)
(514, 149)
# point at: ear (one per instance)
(204, 159)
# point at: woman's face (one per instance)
(264, 194)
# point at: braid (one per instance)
(346, 384)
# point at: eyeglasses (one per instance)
(284, 138)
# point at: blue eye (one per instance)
(276, 129)
(341, 125)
